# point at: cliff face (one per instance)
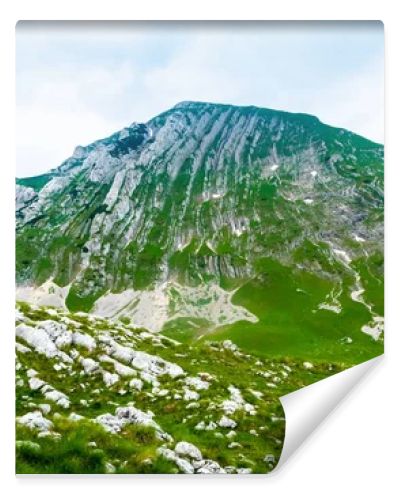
(165, 219)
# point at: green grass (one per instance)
(72, 454)
(36, 182)
(290, 323)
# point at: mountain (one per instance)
(235, 220)
(178, 277)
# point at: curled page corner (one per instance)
(308, 407)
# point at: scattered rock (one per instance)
(35, 420)
(229, 345)
(110, 378)
(89, 365)
(35, 383)
(51, 434)
(58, 397)
(234, 444)
(130, 415)
(45, 408)
(197, 383)
(189, 395)
(75, 417)
(136, 383)
(208, 467)
(22, 348)
(188, 449)
(227, 422)
(269, 458)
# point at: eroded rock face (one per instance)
(23, 196)
(136, 223)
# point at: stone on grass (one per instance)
(35, 420)
(234, 444)
(110, 378)
(229, 345)
(188, 449)
(130, 415)
(51, 434)
(58, 397)
(269, 458)
(184, 466)
(197, 383)
(75, 417)
(136, 383)
(208, 467)
(89, 365)
(189, 395)
(22, 348)
(35, 383)
(227, 422)
(45, 408)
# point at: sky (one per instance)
(77, 82)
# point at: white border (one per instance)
(355, 453)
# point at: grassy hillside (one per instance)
(96, 396)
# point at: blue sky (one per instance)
(77, 82)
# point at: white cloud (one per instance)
(355, 102)
(64, 109)
(46, 136)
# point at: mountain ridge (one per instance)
(183, 104)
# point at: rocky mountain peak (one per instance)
(159, 217)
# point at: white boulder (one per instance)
(187, 449)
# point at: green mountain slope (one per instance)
(180, 222)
